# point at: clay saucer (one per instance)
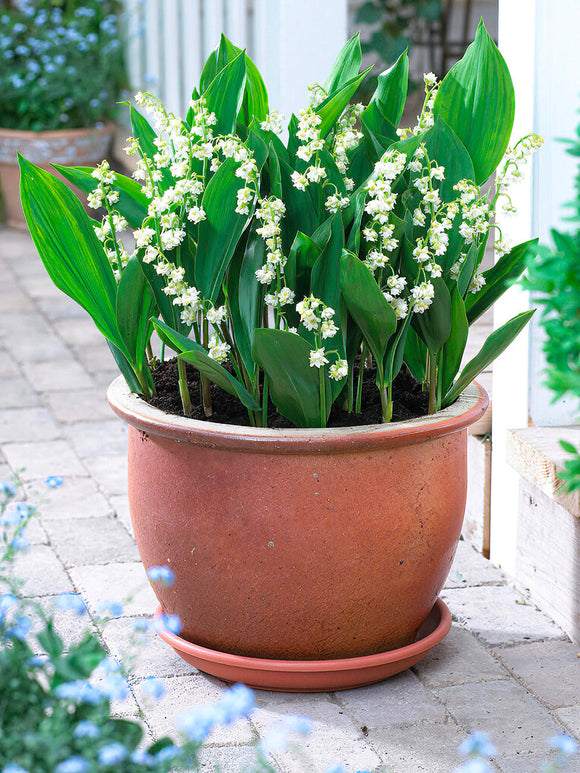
(314, 675)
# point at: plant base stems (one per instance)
(265, 401)
(206, 397)
(183, 389)
(322, 387)
(432, 383)
(386, 405)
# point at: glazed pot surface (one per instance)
(298, 544)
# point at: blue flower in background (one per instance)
(478, 743)
(197, 722)
(161, 574)
(141, 757)
(18, 28)
(168, 753)
(237, 702)
(7, 489)
(22, 50)
(563, 744)
(110, 607)
(171, 623)
(74, 764)
(78, 691)
(154, 688)
(54, 481)
(20, 628)
(112, 754)
(14, 769)
(71, 602)
(86, 729)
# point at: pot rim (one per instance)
(466, 410)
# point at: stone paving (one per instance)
(505, 668)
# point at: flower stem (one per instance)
(183, 390)
(432, 382)
(265, 401)
(322, 384)
(205, 382)
(361, 368)
(386, 405)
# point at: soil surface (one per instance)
(409, 401)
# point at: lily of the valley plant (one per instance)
(282, 270)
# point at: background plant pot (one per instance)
(298, 544)
(73, 147)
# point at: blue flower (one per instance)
(18, 28)
(20, 628)
(86, 729)
(563, 744)
(74, 764)
(171, 623)
(478, 743)
(114, 686)
(112, 754)
(153, 687)
(71, 602)
(235, 703)
(276, 742)
(161, 574)
(59, 59)
(16, 81)
(54, 481)
(78, 691)
(474, 765)
(14, 769)
(19, 542)
(6, 489)
(22, 50)
(141, 757)
(110, 607)
(196, 722)
(336, 769)
(7, 601)
(168, 753)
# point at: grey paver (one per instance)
(72, 405)
(424, 746)
(79, 332)
(110, 472)
(38, 460)
(62, 374)
(27, 424)
(91, 541)
(68, 625)
(59, 307)
(148, 654)
(499, 615)
(550, 670)
(570, 718)
(126, 583)
(77, 498)
(533, 763)
(233, 759)
(503, 709)
(334, 739)
(30, 347)
(17, 393)
(98, 438)
(13, 299)
(42, 572)
(458, 659)
(8, 366)
(471, 568)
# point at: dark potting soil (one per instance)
(409, 400)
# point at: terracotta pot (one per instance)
(73, 147)
(301, 544)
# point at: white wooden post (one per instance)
(538, 39)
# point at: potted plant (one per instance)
(46, 111)
(297, 280)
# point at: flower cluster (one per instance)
(425, 120)
(45, 52)
(319, 319)
(346, 138)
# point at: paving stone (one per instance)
(471, 568)
(13, 299)
(497, 615)
(230, 759)
(570, 718)
(68, 625)
(79, 332)
(40, 285)
(183, 692)
(77, 498)
(91, 541)
(42, 572)
(428, 746)
(399, 700)
(125, 583)
(57, 307)
(458, 659)
(334, 739)
(550, 670)
(17, 393)
(503, 709)
(38, 460)
(110, 472)
(98, 438)
(147, 653)
(120, 505)
(36, 533)
(97, 359)
(56, 376)
(30, 347)
(8, 366)
(21, 323)
(74, 405)
(104, 376)
(27, 424)
(526, 763)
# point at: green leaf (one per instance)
(294, 385)
(134, 307)
(346, 66)
(225, 93)
(444, 146)
(467, 269)
(220, 232)
(568, 447)
(415, 356)
(476, 99)
(300, 214)
(494, 345)
(50, 641)
(391, 92)
(66, 242)
(367, 306)
(255, 100)
(455, 345)
(80, 661)
(132, 202)
(434, 324)
(498, 278)
(217, 374)
(146, 135)
(325, 279)
(209, 71)
(333, 106)
(175, 340)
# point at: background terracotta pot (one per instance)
(298, 544)
(73, 147)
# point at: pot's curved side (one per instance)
(71, 147)
(310, 555)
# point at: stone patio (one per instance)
(505, 668)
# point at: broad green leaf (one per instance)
(498, 278)
(467, 269)
(301, 259)
(220, 232)
(218, 375)
(129, 372)
(134, 307)
(444, 146)
(300, 214)
(79, 662)
(132, 202)
(175, 340)
(244, 294)
(434, 324)
(346, 66)
(367, 306)
(67, 245)
(415, 356)
(378, 132)
(391, 92)
(494, 345)
(209, 71)
(294, 385)
(258, 147)
(224, 94)
(146, 135)
(332, 107)
(125, 731)
(255, 100)
(454, 347)
(50, 640)
(476, 99)
(325, 280)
